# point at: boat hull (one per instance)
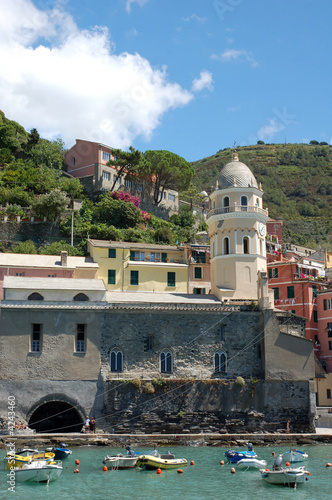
(150, 462)
(294, 456)
(251, 463)
(120, 463)
(38, 474)
(12, 461)
(286, 477)
(234, 456)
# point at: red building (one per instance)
(324, 341)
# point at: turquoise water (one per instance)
(207, 479)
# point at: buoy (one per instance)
(76, 471)
(222, 462)
(159, 470)
(232, 470)
(273, 454)
(267, 470)
(179, 471)
(287, 464)
(328, 464)
(77, 462)
(67, 467)
(192, 463)
(105, 469)
(309, 473)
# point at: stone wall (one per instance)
(35, 231)
(215, 406)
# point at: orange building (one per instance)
(199, 269)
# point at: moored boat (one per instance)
(234, 456)
(295, 456)
(251, 463)
(167, 461)
(120, 462)
(60, 453)
(23, 456)
(38, 471)
(285, 476)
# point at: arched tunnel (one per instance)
(56, 416)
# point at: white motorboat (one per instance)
(251, 463)
(289, 476)
(38, 471)
(295, 456)
(120, 462)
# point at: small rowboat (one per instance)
(295, 456)
(38, 471)
(251, 463)
(167, 461)
(120, 462)
(24, 456)
(285, 476)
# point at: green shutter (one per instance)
(111, 276)
(132, 254)
(134, 278)
(112, 253)
(170, 279)
(164, 257)
(270, 272)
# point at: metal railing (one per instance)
(237, 208)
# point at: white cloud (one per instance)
(203, 82)
(75, 86)
(272, 128)
(234, 55)
(129, 2)
(194, 17)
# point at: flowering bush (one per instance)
(145, 216)
(121, 195)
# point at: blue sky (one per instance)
(188, 76)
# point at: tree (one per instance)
(167, 171)
(118, 213)
(25, 247)
(72, 187)
(184, 218)
(125, 162)
(48, 154)
(50, 205)
(33, 139)
(58, 246)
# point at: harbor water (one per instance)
(206, 479)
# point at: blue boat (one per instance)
(60, 453)
(234, 456)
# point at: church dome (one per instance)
(236, 174)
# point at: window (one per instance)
(273, 272)
(329, 329)
(171, 197)
(226, 204)
(81, 297)
(80, 337)
(276, 293)
(35, 296)
(222, 333)
(199, 257)
(166, 362)
(134, 278)
(315, 316)
(244, 203)
(199, 291)
(162, 195)
(246, 244)
(327, 304)
(73, 161)
(116, 360)
(112, 253)
(226, 245)
(328, 393)
(330, 345)
(314, 291)
(106, 156)
(128, 183)
(198, 273)
(51, 275)
(155, 256)
(106, 175)
(111, 277)
(148, 343)
(19, 274)
(117, 179)
(164, 257)
(290, 292)
(220, 362)
(170, 279)
(36, 337)
(139, 187)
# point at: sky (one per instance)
(188, 76)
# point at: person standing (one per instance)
(87, 424)
(92, 425)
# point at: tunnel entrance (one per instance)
(56, 416)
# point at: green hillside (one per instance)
(297, 184)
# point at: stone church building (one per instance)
(163, 362)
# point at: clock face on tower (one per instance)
(261, 229)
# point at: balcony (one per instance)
(238, 209)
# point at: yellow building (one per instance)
(126, 266)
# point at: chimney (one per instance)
(64, 256)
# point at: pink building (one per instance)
(46, 266)
(324, 341)
(199, 269)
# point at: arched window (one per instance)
(116, 360)
(244, 203)
(246, 244)
(226, 204)
(81, 297)
(220, 362)
(35, 296)
(213, 249)
(257, 202)
(166, 362)
(214, 204)
(226, 246)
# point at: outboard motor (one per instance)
(250, 447)
(277, 463)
